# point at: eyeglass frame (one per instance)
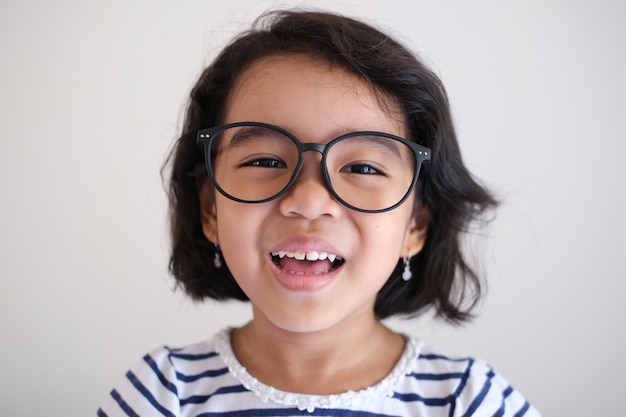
(205, 138)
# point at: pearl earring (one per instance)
(406, 273)
(217, 261)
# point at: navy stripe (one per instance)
(438, 402)
(289, 412)
(508, 391)
(193, 356)
(201, 399)
(155, 368)
(523, 410)
(101, 413)
(123, 405)
(432, 356)
(435, 377)
(500, 411)
(211, 373)
(148, 395)
(481, 395)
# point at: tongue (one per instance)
(305, 267)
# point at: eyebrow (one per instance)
(383, 142)
(253, 133)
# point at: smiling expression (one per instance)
(307, 262)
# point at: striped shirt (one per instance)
(206, 380)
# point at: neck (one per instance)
(349, 356)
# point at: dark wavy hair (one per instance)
(442, 278)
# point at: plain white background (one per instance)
(91, 98)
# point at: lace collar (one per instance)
(310, 402)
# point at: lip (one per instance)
(303, 282)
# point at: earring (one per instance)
(217, 261)
(406, 273)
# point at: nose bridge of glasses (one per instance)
(308, 170)
(317, 147)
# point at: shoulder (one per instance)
(164, 379)
(463, 385)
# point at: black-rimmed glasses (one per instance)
(253, 162)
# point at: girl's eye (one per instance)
(361, 169)
(266, 163)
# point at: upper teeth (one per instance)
(302, 255)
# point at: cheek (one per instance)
(234, 230)
(239, 229)
(380, 249)
(387, 231)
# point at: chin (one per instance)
(307, 321)
(303, 326)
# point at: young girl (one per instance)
(319, 177)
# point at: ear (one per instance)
(208, 214)
(415, 236)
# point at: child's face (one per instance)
(316, 102)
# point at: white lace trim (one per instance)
(310, 402)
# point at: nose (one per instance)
(309, 197)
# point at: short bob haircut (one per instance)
(442, 279)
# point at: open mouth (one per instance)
(306, 263)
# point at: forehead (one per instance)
(299, 92)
